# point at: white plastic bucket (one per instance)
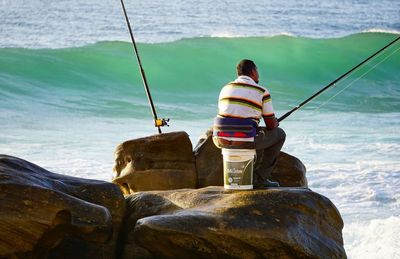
(238, 168)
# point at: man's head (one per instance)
(247, 67)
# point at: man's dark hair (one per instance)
(245, 67)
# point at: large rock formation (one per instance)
(43, 214)
(289, 171)
(159, 162)
(214, 223)
(46, 215)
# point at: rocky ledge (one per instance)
(167, 212)
(167, 162)
(47, 215)
(214, 223)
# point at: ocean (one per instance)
(70, 89)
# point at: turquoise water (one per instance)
(103, 79)
(70, 90)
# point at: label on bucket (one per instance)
(238, 175)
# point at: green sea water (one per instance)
(185, 76)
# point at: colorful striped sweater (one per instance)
(243, 99)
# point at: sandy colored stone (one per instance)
(47, 215)
(159, 162)
(214, 223)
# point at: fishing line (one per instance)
(361, 67)
(355, 80)
(334, 82)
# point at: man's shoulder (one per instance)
(244, 84)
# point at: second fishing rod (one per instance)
(336, 80)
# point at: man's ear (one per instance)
(254, 75)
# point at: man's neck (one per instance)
(246, 78)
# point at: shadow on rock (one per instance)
(45, 214)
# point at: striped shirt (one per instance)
(244, 98)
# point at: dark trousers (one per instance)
(268, 144)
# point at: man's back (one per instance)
(241, 105)
(241, 98)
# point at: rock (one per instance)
(159, 162)
(289, 171)
(214, 223)
(47, 215)
(209, 164)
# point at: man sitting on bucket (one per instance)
(242, 103)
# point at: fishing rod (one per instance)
(335, 81)
(157, 122)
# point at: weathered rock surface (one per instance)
(209, 163)
(47, 215)
(289, 171)
(214, 223)
(159, 162)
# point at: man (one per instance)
(242, 104)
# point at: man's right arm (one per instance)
(270, 121)
(268, 112)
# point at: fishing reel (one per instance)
(161, 122)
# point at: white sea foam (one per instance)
(382, 31)
(378, 238)
(228, 34)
